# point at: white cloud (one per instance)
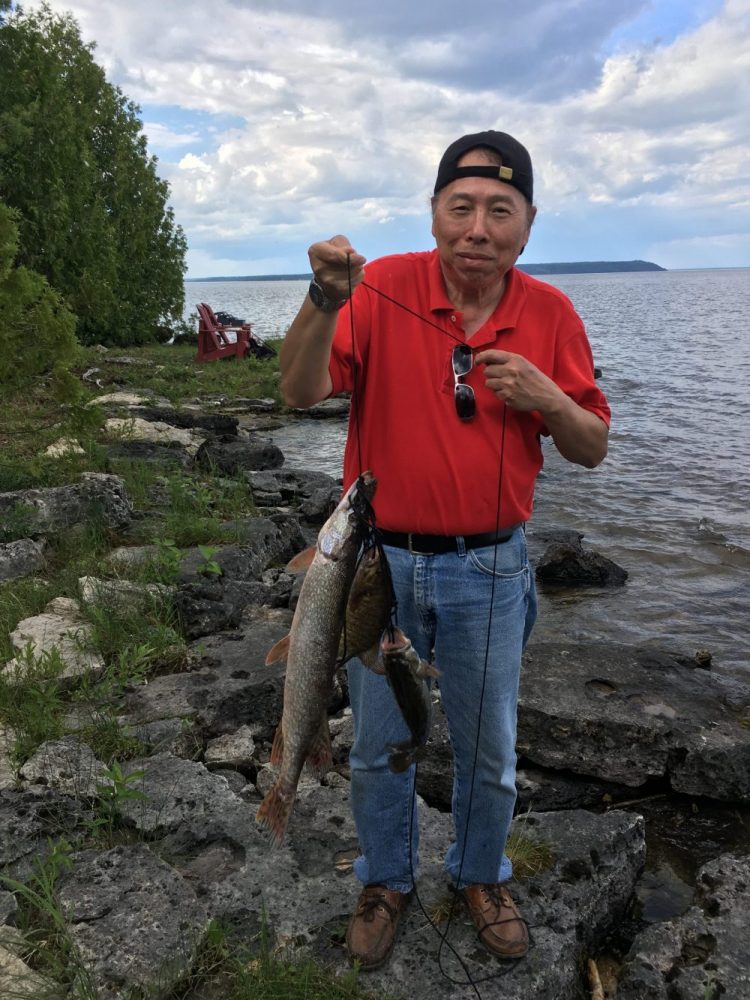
(338, 122)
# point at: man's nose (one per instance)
(478, 226)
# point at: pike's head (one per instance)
(351, 518)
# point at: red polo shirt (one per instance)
(437, 474)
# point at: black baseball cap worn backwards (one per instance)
(515, 168)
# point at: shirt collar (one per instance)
(507, 311)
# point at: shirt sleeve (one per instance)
(574, 374)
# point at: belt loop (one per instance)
(460, 546)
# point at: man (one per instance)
(450, 399)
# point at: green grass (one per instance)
(226, 972)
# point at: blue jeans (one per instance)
(444, 606)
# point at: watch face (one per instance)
(321, 300)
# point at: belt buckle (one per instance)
(413, 551)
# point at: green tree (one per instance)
(37, 332)
(93, 213)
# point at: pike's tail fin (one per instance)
(275, 810)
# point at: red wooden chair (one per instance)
(217, 340)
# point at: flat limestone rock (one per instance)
(68, 765)
(158, 432)
(134, 920)
(627, 714)
(308, 891)
(61, 628)
(58, 508)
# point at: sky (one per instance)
(281, 122)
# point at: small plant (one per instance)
(112, 793)
(19, 522)
(529, 855)
(31, 703)
(209, 567)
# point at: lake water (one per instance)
(671, 503)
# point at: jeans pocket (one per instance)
(506, 560)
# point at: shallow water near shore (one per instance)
(670, 503)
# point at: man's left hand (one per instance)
(518, 382)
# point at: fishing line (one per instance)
(470, 980)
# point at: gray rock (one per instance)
(58, 508)
(215, 423)
(8, 907)
(23, 557)
(704, 952)
(228, 687)
(232, 750)
(236, 456)
(569, 564)
(307, 891)
(186, 802)
(29, 821)
(178, 737)
(67, 765)
(164, 455)
(128, 557)
(337, 406)
(137, 429)
(627, 714)
(135, 921)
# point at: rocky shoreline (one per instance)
(601, 727)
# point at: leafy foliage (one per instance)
(37, 332)
(93, 213)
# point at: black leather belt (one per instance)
(434, 545)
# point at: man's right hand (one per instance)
(331, 262)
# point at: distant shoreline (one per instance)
(573, 267)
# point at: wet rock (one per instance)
(230, 458)
(337, 406)
(209, 605)
(58, 632)
(23, 557)
(136, 923)
(67, 765)
(228, 687)
(568, 564)
(704, 952)
(53, 510)
(626, 714)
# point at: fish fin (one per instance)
(302, 561)
(275, 810)
(277, 750)
(403, 755)
(279, 650)
(373, 660)
(426, 669)
(320, 756)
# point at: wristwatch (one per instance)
(321, 301)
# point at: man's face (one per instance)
(480, 225)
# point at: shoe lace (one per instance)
(371, 900)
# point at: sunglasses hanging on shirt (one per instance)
(462, 360)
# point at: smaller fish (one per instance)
(406, 673)
(367, 610)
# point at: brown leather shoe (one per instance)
(502, 929)
(371, 933)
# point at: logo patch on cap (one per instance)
(505, 173)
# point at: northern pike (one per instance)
(406, 673)
(367, 611)
(313, 654)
